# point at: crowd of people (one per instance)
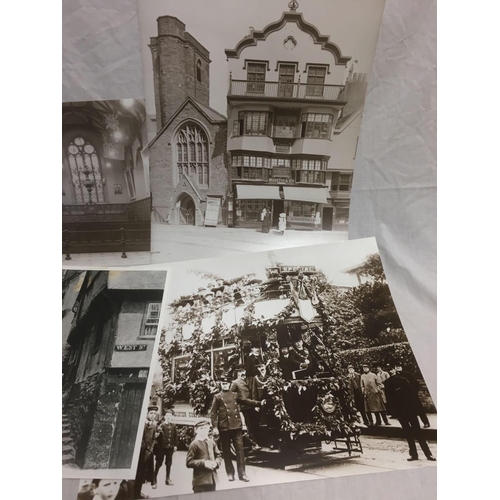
(395, 392)
(235, 406)
(241, 403)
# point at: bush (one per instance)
(185, 435)
(381, 355)
(384, 355)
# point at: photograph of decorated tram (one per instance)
(278, 331)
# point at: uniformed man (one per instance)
(227, 423)
(145, 467)
(166, 445)
(249, 407)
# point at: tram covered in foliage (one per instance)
(288, 319)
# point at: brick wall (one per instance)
(162, 168)
(175, 56)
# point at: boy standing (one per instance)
(204, 458)
(166, 446)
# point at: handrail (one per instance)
(281, 90)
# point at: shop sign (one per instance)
(297, 269)
(212, 211)
(282, 171)
(130, 347)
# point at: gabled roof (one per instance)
(296, 17)
(210, 114)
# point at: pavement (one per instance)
(178, 243)
(379, 455)
(175, 243)
(395, 431)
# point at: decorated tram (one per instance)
(281, 321)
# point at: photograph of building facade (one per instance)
(291, 102)
(294, 102)
(187, 155)
(110, 322)
(106, 205)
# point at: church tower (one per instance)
(181, 68)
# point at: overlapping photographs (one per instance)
(109, 326)
(255, 111)
(281, 366)
(106, 202)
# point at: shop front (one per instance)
(303, 205)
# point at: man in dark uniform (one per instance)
(415, 387)
(166, 445)
(247, 404)
(226, 423)
(145, 467)
(404, 406)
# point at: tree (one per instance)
(373, 299)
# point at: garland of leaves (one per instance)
(201, 387)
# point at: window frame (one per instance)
(146, 324)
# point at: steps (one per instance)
(68, 449)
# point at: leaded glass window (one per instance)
(85, 171)
(192, 153)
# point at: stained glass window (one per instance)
(85, 171)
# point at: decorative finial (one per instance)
(293, 5)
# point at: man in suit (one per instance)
(415, 387)
(204, 458)
(166, 445)
(249, 407)
(251, 362)
(286, 363)
(354, 385)
(226, 423)
(404, 405)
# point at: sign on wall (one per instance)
(131, 347)
(212, 211)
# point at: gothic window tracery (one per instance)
(85, 170)
(192, 154)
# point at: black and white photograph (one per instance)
(110, 322)
(106, 201)
(289, 365)
(255, 111)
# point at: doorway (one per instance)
(286, 77)
(327, 219)
(186, 210)
(127, 424)
(278, 208)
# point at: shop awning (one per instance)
(251, 192)
(313, 195)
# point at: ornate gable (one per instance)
(296, 17)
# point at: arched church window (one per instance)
(198, 70)
(192, 153)
(85, 171)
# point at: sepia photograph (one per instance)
(106, 202)
(255, 111)
(285, 366)
(109, 325)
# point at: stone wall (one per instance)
(164, 179)
(101, 437)
(80, 410)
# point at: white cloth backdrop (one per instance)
(394, 190)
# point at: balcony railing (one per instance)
(279, 90)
